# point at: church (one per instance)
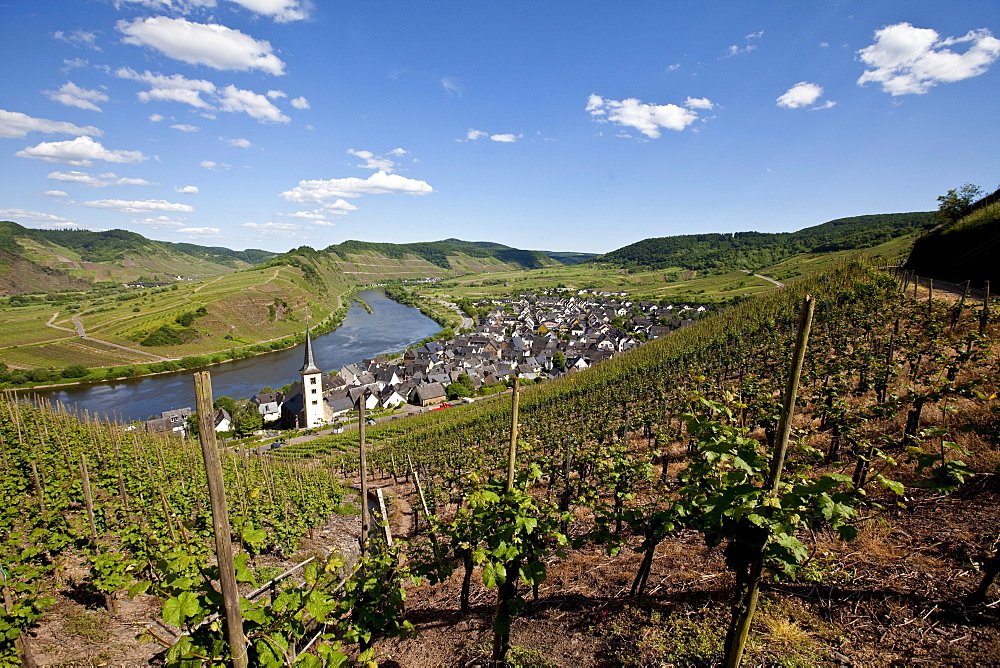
(306, 406)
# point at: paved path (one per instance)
(766, 278)
(467, 322)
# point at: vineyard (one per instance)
(805, 478)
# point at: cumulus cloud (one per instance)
(172, 88)
(339, 207)
(155, 118)
(646, 118)
(200, 231)
(276, 94)
(906, 60)
(22, 214)
(379, 183)
(804, 94)
(504, 138)
(79, 152)
(238, 142)
(78, 38)
(74, 96)
(161, 222)
(14, 124)
(97, 181)
(300, 103)
(56, 193)
(138, 206)
(187, 190)
(184, 127)
(208, 44)
(749, 44)
(273, 228)
(176, 88)
(281, 11)
(214, 166)
(254, 105)
(378, 162)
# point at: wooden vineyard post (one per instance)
(508, 588)
(743, 611)
(427, 513)
(88, 498)
(220, 520)
(385, 517)
(984, 317)
(362, 456)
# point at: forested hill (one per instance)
(753, 250)
(33, 260)
(438, 252)
(963, 250)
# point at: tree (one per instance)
(460, 388)
(957, 203)
(559, 360)
(246, 418)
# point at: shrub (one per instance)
(75, 371)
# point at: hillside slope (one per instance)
(966, 250)
(753, 250)
(40, 260)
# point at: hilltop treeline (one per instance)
(754, 250)
(965, 250)
(437, 252)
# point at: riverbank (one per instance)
(98, 375)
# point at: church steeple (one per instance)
(313, 411)
(309, 365)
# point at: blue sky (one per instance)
(580, 126)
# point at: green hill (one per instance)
(446, 254)
(42, 260)
(753, 250)
(968, 249)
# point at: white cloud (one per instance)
(254, 105)
(378, 183)
(184, 127)
(73, 96)
(398, 151)
(372, 161)
(208, 44)
(69, 65)
(281, 11)
(473, 135)
(450, 84)
(98, 181)
(275, 94)
(907, 60)
(213, 166)
(273, 228)
(675, 66)
(238, 142)
(21, 214)
(803, 94)
(173, 88)
(339, 207)
(79, 152)
(698, 103)
(200, 231)
(748, 44)
(138, 206)
(646, 118)
(176, 88)
(306, 215)
(507, 138)
(187, 190)
(155, 118)
(300, 103)
(14, 124)
(56, 193)
(78, 38)
(161, 222)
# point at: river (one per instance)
(389, 328)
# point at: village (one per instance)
(532, 337)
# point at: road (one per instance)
(766, 278)
(467, 322)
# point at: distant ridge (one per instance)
(41, 260)
(753, 250)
